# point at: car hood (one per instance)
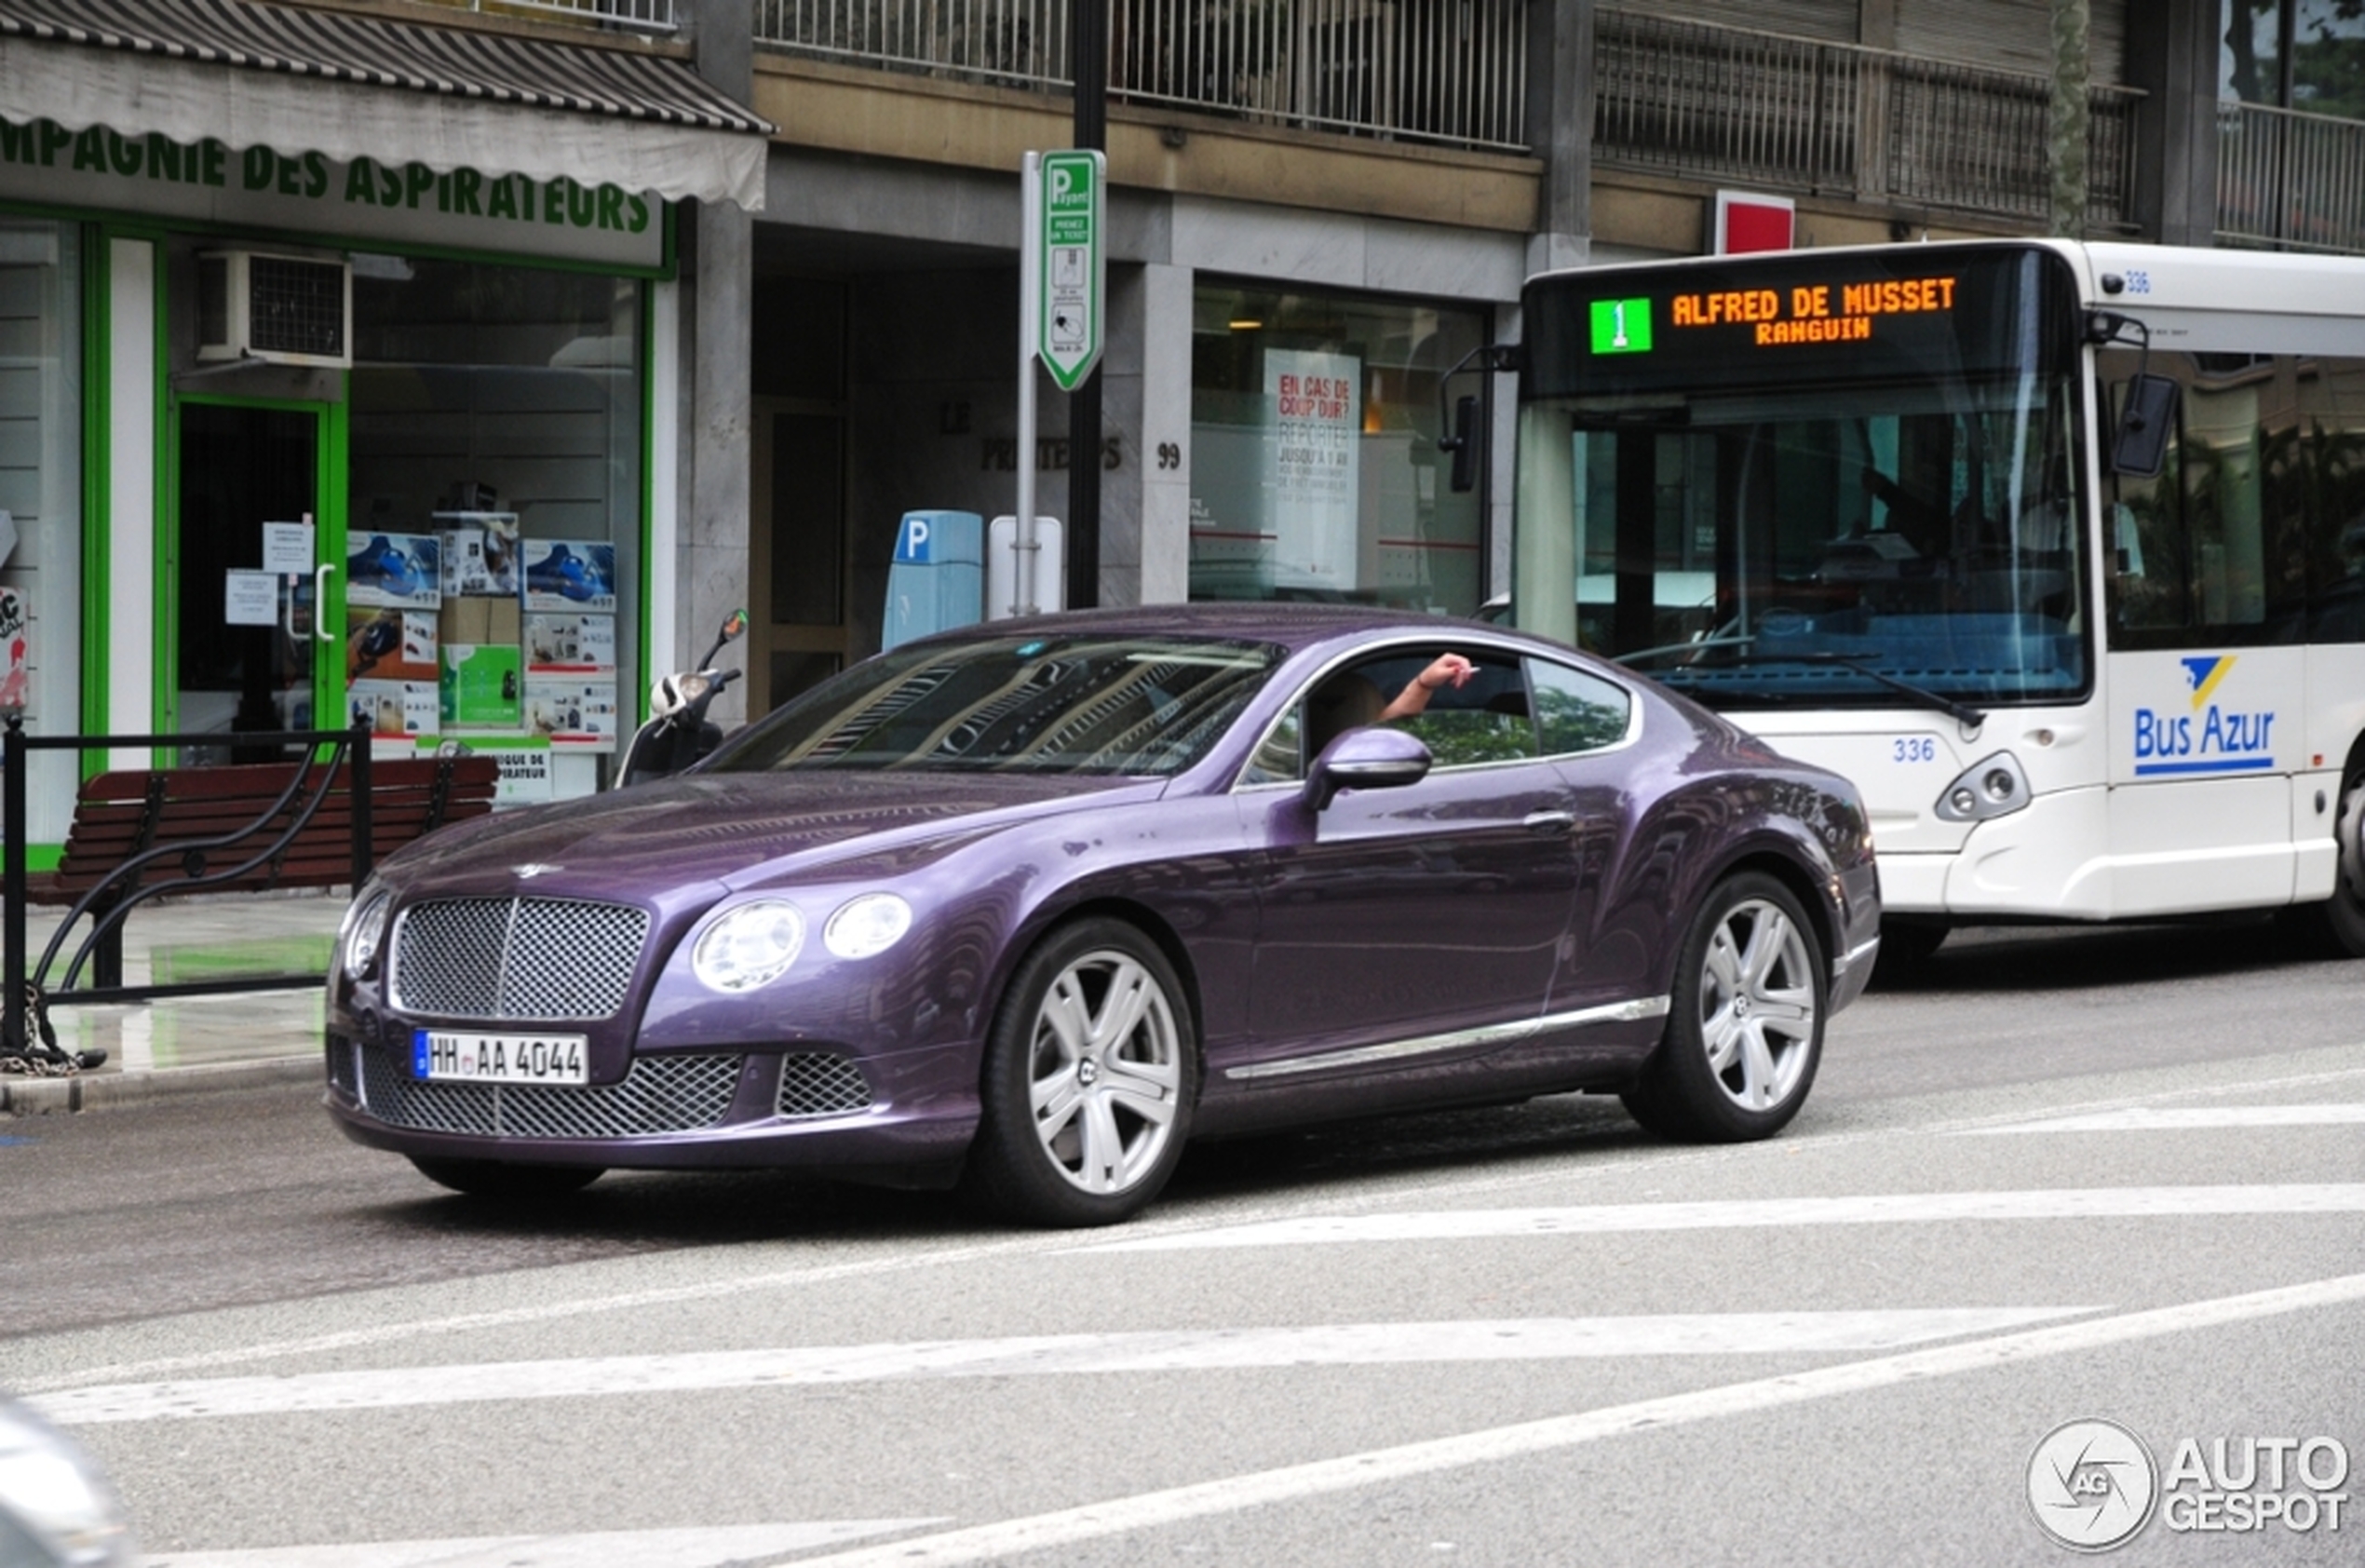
(744, 829)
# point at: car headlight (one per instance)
(748, 946)
(52, 1489)
(866, 925)
(365, 933)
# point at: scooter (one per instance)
(678, 733)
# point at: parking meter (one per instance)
(936, 578)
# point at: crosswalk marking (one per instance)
(722, 1545)
(1237, 1493)
(2087, 1203)
(1177, 1350)
(2184, 1118)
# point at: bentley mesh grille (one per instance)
(532, 959)
(819, 1084)
(660, 1094)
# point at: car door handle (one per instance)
(1548, 822)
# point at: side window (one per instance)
(2254, 531)
(1277, 760)
(1488, 719)
(1576, 711)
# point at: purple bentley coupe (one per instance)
(1024, 906)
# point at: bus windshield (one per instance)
(1816, 481)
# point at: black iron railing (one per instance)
(243, 854)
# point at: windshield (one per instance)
(1075, 705)
(1899, 510)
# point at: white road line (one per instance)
(725, 1545)
(2187, 1118)
(1378, 1467)
(1178, 1225)
(1518, 1339)
(2088, 1203)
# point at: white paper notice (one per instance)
(287, 547)
(250, 598)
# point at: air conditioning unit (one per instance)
(289, 310)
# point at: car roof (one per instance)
(1289, 624)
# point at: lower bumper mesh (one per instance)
(660, 1094)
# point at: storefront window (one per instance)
(41, 502)
(1315, 469)
(498, 411)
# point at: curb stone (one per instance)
(107, 1091)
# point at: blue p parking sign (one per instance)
(912, 540)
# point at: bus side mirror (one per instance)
(1463, 445)
(2141, 446)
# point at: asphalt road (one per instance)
(2060, 1176)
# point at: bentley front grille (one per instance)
(660, 1094)
(537, 960)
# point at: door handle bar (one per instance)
(1548, 822)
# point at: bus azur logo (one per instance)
(2211, 738)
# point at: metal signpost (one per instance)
(1063, 264)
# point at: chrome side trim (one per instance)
(1856, 955)
(1488, 1035)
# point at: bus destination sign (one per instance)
(1796, 318)
(1801, 313)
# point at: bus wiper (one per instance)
(1961, 712)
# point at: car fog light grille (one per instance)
(542, 960)
(819, 1084)
(343, 1074)
(660, 1094)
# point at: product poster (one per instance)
(1318, 419)
(16, 652)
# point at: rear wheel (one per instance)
(506, 1182)
(1087, 1083)
(2336, 927)
(1745, 1027)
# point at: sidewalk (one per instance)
(190, 1044)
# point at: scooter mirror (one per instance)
(735, 626)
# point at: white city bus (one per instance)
(1892, 509)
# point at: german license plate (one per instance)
(498, 1059)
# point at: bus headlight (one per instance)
(1990, 787)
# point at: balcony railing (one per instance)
(638, 16)
(1399, 69)
(1699, 102)
(2290, 181)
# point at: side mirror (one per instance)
(2145, 424)
(1370, 758)
(735, 626)
(1465, 444)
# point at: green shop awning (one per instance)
(353, 85)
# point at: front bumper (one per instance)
(771, 1107)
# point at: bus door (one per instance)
(2206, 667)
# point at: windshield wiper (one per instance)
(1961, 712)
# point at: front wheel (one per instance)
(1745, 1025)
(1088, 1080)
(2335, 928)
(505, 1183)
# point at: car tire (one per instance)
(1745, 1021)
(506, 1183)
(1088, 1080)
(2335, 928)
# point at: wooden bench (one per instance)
(245, 828)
